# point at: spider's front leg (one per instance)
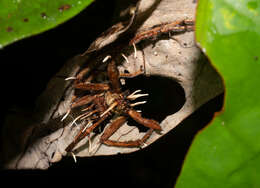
(76, 102)
(113, 75)
(87, 86)
(92, 86)
(114, 127)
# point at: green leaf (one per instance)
(23, 18)
(227, 152)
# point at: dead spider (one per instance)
(107, 100)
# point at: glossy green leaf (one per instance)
(227, 152)
(23, 18)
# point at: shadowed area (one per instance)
(166, 96)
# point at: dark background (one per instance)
(27, 66)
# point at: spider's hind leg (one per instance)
(144, 121)
(83, 133)
(114, 127)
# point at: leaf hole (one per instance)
(126, 71)
(166, 97)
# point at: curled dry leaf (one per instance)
(114, 32)
(163, 53)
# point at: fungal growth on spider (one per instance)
(106, 100)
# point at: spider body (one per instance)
(115, 98)
(104, 100)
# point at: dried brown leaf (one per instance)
(176, 57)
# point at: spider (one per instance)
(106, 100)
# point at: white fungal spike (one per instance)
(106, 58)
(88, 125)
(138, 103)
(132, 10)
(123, 55)
(137, 96)
(74, 121)
(87, 108)
(134, 96)
(71, 78)
(88, 114)
(144, 145)
(135, 52)
(137, 91)
(110, 108)
(74, 157)
(65, 116)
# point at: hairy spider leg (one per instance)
(115, 125)
(131, 143)
(112, 128)
(76, 102)
(82, 134)
(176, 26)
(82, 73)
(144, 121)
(92, 86)
(113, 75)
(83, 100)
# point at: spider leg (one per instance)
(131, 75)
(92, 86)
(113, 127)
(87, 71)
(84, 132)
(144, 121)
(131, 143)
(82, 73)
(83, 100)
(76, 102)
(176, 26)
(113, 75)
